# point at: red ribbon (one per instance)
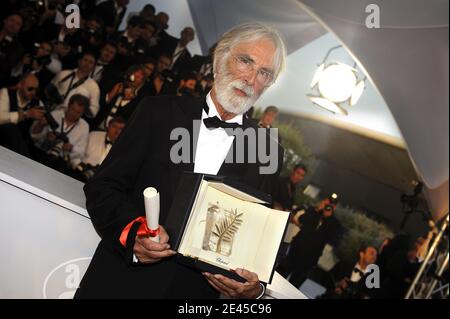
(143, 230)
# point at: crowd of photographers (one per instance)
(66, 93)
(398, 259)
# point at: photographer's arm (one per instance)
(5, 115)
(113, 93)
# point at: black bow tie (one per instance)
(356, 270)
(215, 122)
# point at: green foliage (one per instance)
(360, 231)
(301, 198)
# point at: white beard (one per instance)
(224, 88)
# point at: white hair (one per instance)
(250, 32)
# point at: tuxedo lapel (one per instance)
(234, 169)
(191, 110)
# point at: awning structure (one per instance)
(406, 60)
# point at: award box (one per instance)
(217, 225)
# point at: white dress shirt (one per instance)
(176, 54)
(98, 72)
(97, 149)
(78, 136)
(89, 89)
(356, 276)
(7, 117)
(212, 144)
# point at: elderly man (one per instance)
(248, 59)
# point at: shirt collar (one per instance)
(357, 266)
(213, 111)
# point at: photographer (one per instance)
(78, 81)
(163, 79)
(112, 12)
(91, 34)
(104, 63)
(123, 98)
(187, 86)
(349, 280)
(64, 146)
(99, 145)
(34, 62)
(284, 190)
(318, 227)
(11, 50)
(18, 108)
(132, 33)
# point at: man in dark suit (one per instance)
(11, 50)
(349, 279)
(247, 61)
(177, 49)
(318, 227)
(112, 12)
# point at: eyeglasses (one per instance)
(247, 65)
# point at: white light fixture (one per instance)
(336, 83)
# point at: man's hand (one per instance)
(234, 289)
(147, 251)
(67, 147)
(35, 113)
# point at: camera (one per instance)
(86, 170)
(168, 75)
(40, 7)
(41, 61)
(412, 200)
(55, 150)
(333, 201)
(333, 198)
(53, 98)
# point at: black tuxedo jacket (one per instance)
(141, 158)
(107, 11)
(167, 45)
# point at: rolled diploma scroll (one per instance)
(151, 200)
